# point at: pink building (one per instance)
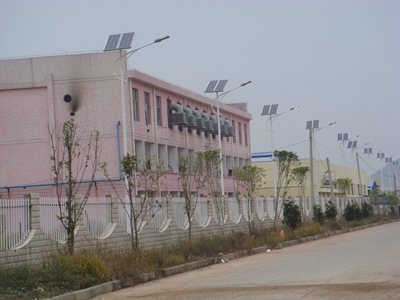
(162, 120)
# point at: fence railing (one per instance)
(50, 223)
(15, 215)
(14, 222)
(97, 216)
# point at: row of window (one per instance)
(158, 111)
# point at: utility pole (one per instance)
(311, 168)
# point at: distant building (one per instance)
(162, 120)
(321, 180)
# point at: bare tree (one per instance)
(247, 180)
(191, 183)
(74, 162)
(144, 176)
(208, 164)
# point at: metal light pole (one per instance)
(388, 160)
(116, 42)
(381, 156)
(271, 111)
(217, 86)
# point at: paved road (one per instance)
(357, 265)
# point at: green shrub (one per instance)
(291, 214)
(352, 212)
(318, 216)
(367, 210)
(330, 211)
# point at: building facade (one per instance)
(162, 120)
(321, 180)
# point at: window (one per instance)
(240, 132)
(158, 104)
(147, 107)
(245, 134)
(135, 104)
(234, 135)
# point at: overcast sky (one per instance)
(339, 61)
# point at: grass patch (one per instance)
(61, 273)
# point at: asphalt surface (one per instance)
(363, 264)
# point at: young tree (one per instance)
(247, 180)
(208, 163)
(74, 162)
(191, 182)
(287, 161)
(299, 175)
(344, 185)
(144, 176)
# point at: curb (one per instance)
(112, 286)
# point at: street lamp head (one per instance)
(161, 39)
(246, 83)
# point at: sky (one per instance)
(337, 61)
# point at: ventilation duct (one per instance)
(214, 125)
(224, 128)
(191, 120)
(208, 124)
(179, 117)
(200, 122)
(229, 128)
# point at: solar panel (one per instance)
(274, 109)
(211, 86)
(126, 40)
(316, 124)
(365, 150)
(349, 145)
(112, 42)
(354, 144)
(339, 137)
(308, 124)
(265, 110)
(345, 136)
(221, 85)
(369, 150)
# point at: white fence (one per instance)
(50, 213)
(97, 216)
(14, 222)
(15, 215)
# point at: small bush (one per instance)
(367, 210)
(319, 216)
(291, 214)
(352, 212)
(330, 211)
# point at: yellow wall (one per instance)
(320, 167)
